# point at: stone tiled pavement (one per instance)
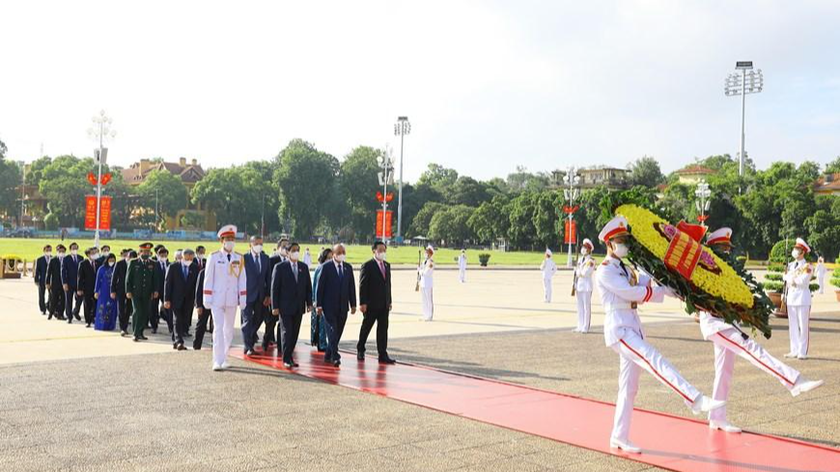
(168, 411)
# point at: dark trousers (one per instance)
(42, 301)
(141, 309)
(288, 332)
(69, 297)
(56, 301)
(90, 307)
(123, 310)
(201, 327)
(271, 322)
(380, 317)
(182, 319)
(158, 312)
(252, 316)
(335, 328)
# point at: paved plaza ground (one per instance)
(74, 399)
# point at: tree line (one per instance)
(308, 193)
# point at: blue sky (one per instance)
(487, 85)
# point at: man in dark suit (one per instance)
(291, 296)
(179, 295)
(118, 289)
(258, 278)
(336, 294)
(158, 311)
(41, 265)
(270, 321)
(53, 281)
(69, 279)
(375, 302)
(204, 313)
(86, 284)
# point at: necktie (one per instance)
(382, 268)
(184, 268)
(259, 264)
(295, 271)
(623, 267)
(340, 271)
(228, 257)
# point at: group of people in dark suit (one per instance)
(279, 292)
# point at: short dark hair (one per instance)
(324, 255)
(47, 247)
(105, 245)
(124, 252)
(199, 248)
(60, 247)
(132, 254)
(162, 250)
(111, 256)
(378, 243)
(74, 244)
(293, 245)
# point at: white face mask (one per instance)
(111, 264)
(74, 252)
(48, 254)
(126, 257)
(340, 257)
(106, 254)
(620, 250)
(200, 256)
(229, 245)
(187, 262)
(162, 259)
(94, 256)
(257, 248)
(380, 256)
(584, 251)
(61, 255)
(795, 253)
(294, 255)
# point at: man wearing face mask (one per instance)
(158, 310)
(291, 296)
(548, 268)
(141, 285)
(269, 338)
(730, 342)
(86, 284)
(375, 302)
(622, 289)
(53, 280)
(70, 279)
(798, 300)
(41, 265)
(105, 251)
(118, 290)
(583, 286)
(225, 290)
(256, 270)
(200, 260)
(336, 294)
(179, 295)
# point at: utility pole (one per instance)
(744, 81)
(401, 128)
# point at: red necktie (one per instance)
(382, 268)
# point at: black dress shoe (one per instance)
(196, 348)
(78, 318)
(288, 365)
(49, 317)
(360, 355)
(181, 347)
(387, 361)
(69, 320)
(144, 338)
(295, 364)
(88, 325)
(154, 330)
(336, 363)
(320, 349)
(123, 333)
(249, 352)
(136, 339)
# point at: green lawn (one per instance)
(30, 249)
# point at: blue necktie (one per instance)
(184, 268)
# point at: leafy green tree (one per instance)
(833, 167)
(645, 171)
(438, 178)
(824, 227)
(421, 223)
(468, 191)
(358, 183)
(64, 184)
(524, 181)
(305, 176)
(490, 220)
(3, 149)
(522, 233)
(162, 190)
(449, 225)
(238, 195)
(10, 178)
(548, 219)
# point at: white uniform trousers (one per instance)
(637, 354)
(223, 320)
(729, 343)
(428, 303)
(462, 274)
(547, 287)
(799, 321)
(584, 306)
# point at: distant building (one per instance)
(828, 184)
(190, 174)
(613, 178)
(691, 175)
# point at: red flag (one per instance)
(91, 178)
(106, 178)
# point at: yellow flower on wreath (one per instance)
(726, 285)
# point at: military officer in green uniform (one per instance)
(140, 283)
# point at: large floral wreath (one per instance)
(701, 278)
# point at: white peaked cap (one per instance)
(227, 230)
(615, 227)
(587, 242)
(801, 244)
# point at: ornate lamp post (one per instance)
(386, 177)
(703, 195)
(100, 131)
(571, 194)
(401, 128)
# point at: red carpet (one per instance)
(668, 441)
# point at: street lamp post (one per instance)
(703, 195)
(571, 194)
(401, 128)
(22, 192)
(100, 132)
(745, 81)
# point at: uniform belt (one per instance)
(621, 306)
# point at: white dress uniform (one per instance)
(798, 300)
(583, 289)
(548, 268)
(462, 268)
(307, 258)
(820, 273)
(427, 282)
(621, 290)
(225, 289)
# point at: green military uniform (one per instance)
(141, 281)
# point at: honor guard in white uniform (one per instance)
(462, 266)
(798, 300)
(427, 283)
(730, 341)
(622, 290)
(583, 286)
(224, 290)
(548, 268)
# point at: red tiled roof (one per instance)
(832, 185)
(189, 173)
(695, 169)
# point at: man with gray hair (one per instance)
(179, 295)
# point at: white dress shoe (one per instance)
(225, 365)
(625, 446)
(724, 426)
(803, 386)
(704, 404)
(790, 355)
(802, 358)
(217, 367)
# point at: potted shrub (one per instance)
(835, 278)
(483, 259)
